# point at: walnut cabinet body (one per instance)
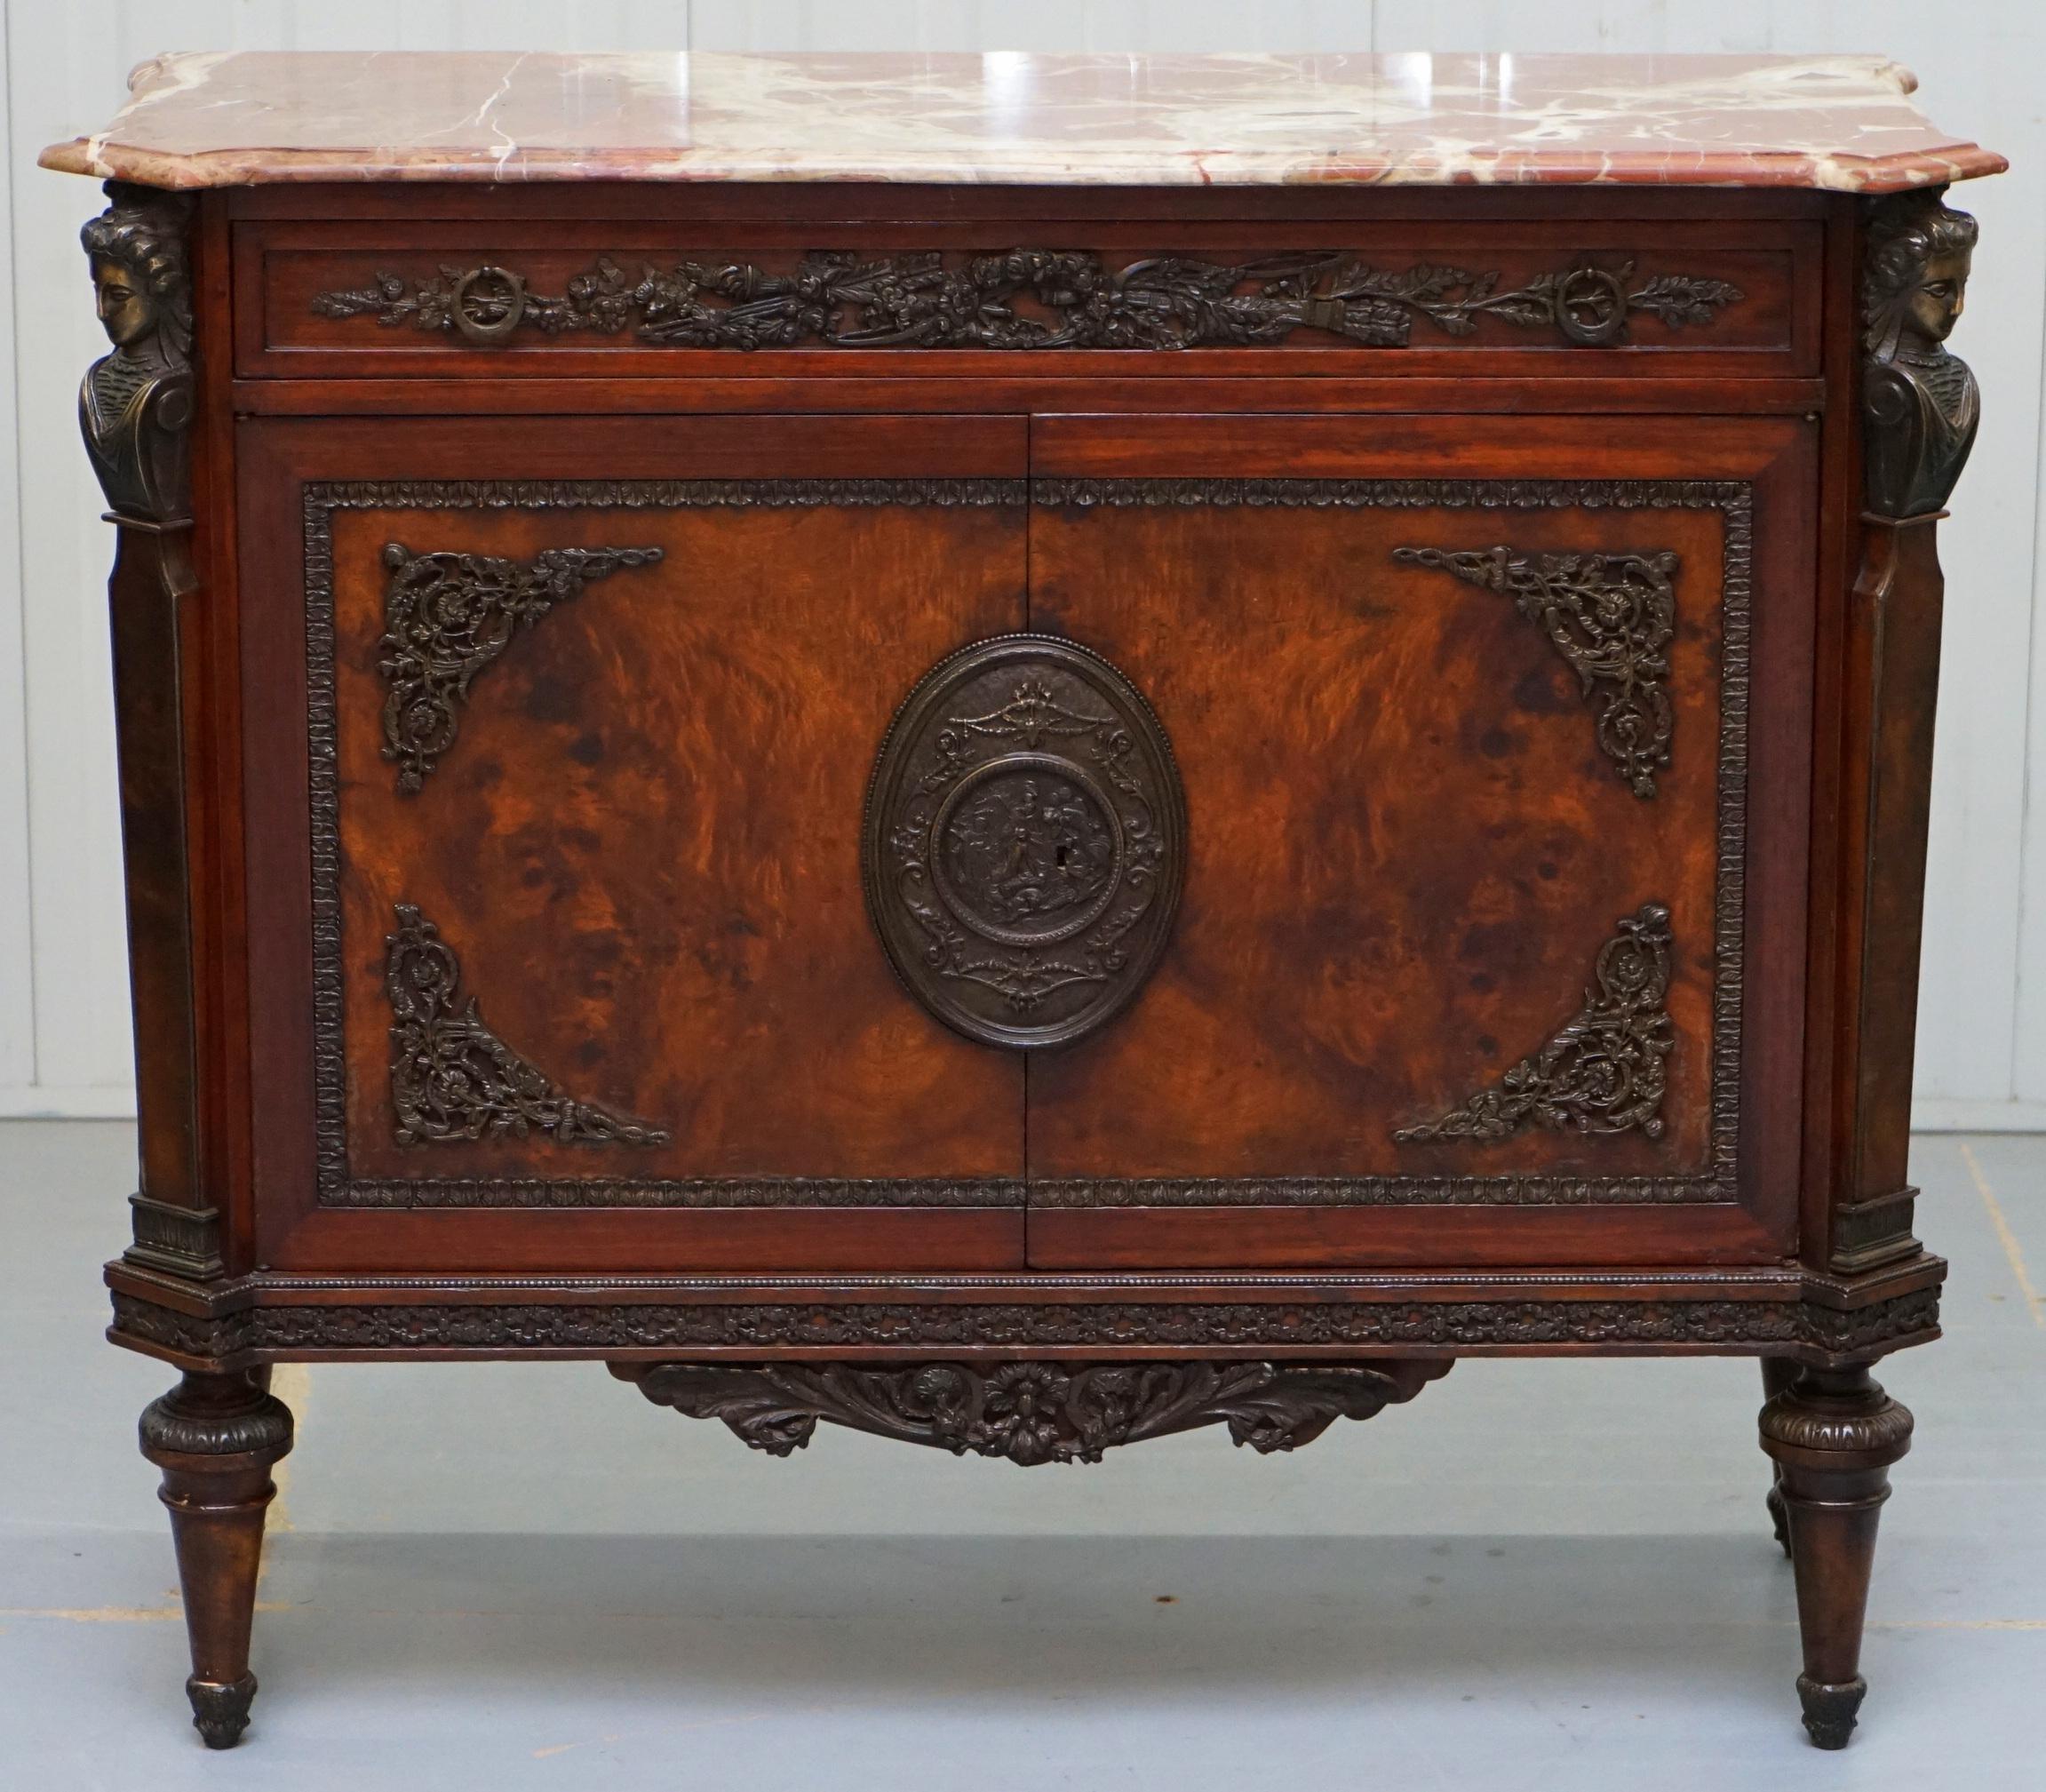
(1024, 846)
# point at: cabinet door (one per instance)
(558, 736)
(1495, 738)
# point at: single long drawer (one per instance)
(671, 299)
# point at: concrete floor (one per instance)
(1541, 1574)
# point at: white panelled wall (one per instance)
(64, 1045)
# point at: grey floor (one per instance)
(1541, 1574)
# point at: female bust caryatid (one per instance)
(1920, 405)
(135, 403)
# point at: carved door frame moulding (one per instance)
(335, 1184)
(1716, 1185)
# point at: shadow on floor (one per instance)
(1027, 1619)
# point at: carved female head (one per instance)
(1915, 283)
(137, 249)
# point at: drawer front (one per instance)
(581, 770)
(717, 300)
(1489, 947)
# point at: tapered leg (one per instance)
(1779, 1375)
(1834, 1435)
(216, 1438)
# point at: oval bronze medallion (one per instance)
(1026, 838)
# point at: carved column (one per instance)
(216, 1438)
(1920, 408)
(135, 411)
(1833, 1436)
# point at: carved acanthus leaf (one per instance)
(1030, 1412)
(1603, 1072)
(447, 616)
(453, 1078)
(1611, 616)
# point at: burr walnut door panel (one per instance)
(561, 734)
(1494, 735)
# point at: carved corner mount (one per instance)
(1920, 405)
(135, 403)
(1604, 1070)
(453, 1078)
(447, 616)
(1611, 616)
(1021, 299)
(1031, 1412)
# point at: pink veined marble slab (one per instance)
(1837, 122)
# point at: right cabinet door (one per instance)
(1495, 740)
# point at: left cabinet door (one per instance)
(557, 733)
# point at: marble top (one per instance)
(1842, 123)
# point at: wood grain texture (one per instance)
(644, 845)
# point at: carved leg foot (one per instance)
(216, 1438)
(1834, 1435)
(1779, 1375)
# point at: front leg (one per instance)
(1779, 1375)
(216, 1438)
(1834, 1435)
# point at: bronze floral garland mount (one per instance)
(1027, 298)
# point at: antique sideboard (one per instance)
(1024, 751)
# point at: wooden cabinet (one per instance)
(1026, 812)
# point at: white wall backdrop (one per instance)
(64, 1043)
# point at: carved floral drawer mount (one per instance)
(1028, 299)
